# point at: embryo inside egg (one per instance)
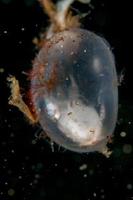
(74, 90)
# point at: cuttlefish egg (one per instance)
(74, 90)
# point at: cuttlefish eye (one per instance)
(74, 90)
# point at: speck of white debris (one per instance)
(102, 190)
(26, 157)
(12, 151)
(9, 171)
(5, 32)
(85, 175)
(6, 183)
(20, 42)
(35, 181)
(37, 176)
(94, 194)
(127, 148)
(9, 125)
(102, 196)
(55, 164)
(85, 50)
(20, 177)
(129, 186)
(22, 29)
(61, 46)
(39, 110)
(71, 53)
(83, 167)
(101, 75)
(75, 61)
(129, 122)
(123, 134)
(33, 141)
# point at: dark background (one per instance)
(29, 169)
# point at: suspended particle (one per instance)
(123, 134)
(127, 148)
(83, 167)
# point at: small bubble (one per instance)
(12, 135)
(9, 171)
(27, 158)
(33, 141)
(102, 196)
(39, 166)
(127, 148)
(2, 70)
(129, 186)
(91, 172)
(20, 42)
(75, 62)
(102, 190)
(11, 192)
(20, 177)
(37, 176)
(9, 125)
(65, 170)
(35, 181)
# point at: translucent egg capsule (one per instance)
(74, 89)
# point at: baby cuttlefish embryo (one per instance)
(77, 121)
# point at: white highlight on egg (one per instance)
(52, 110)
